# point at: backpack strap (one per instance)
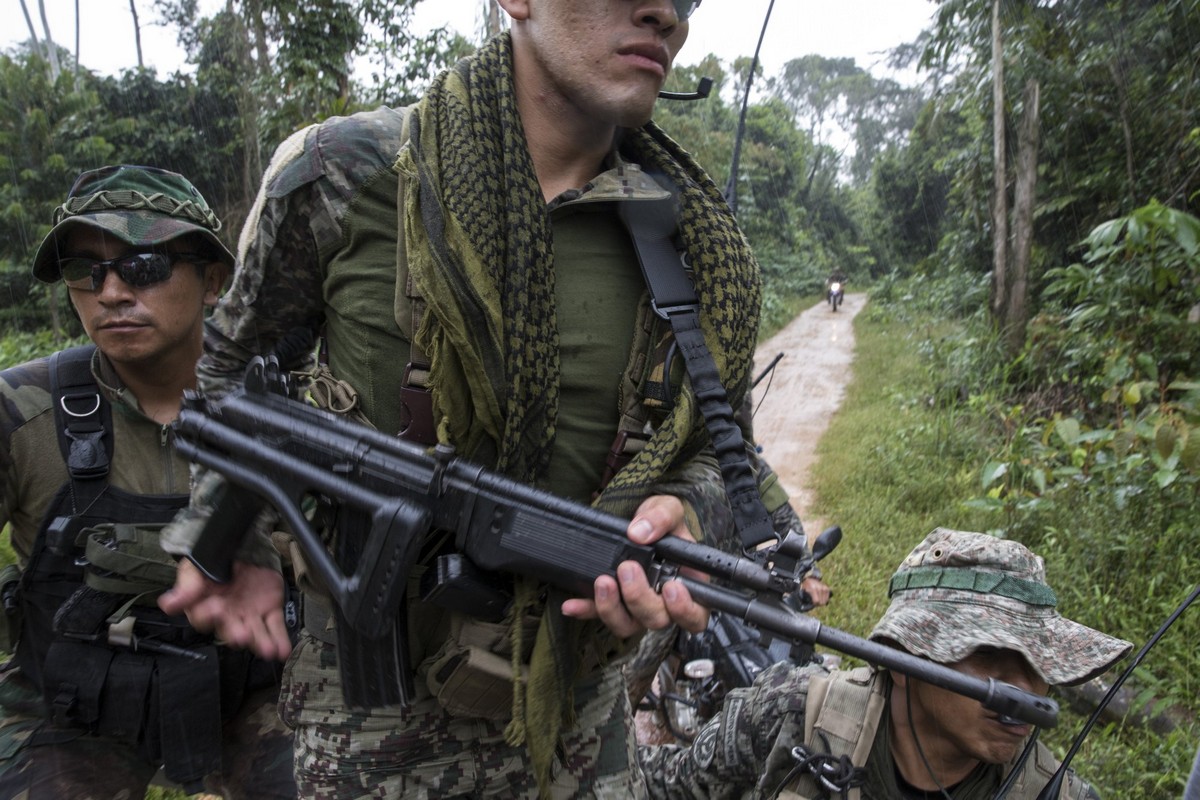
(841, 718)
(83, 422)
(416, 400)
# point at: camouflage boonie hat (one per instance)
(140, 205)
(958, 591)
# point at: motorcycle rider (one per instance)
(836, 279)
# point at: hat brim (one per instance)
(1062, 652)
(45, 261)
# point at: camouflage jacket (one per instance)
(32, 468)
(319, 252)
(746, 750)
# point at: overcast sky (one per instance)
(729, 28)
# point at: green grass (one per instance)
(894, 465)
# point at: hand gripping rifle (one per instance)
(392, 502)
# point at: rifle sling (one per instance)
(651, 225)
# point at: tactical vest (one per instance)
(105, 658)
(842, 716)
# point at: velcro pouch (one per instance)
(128, 559)
(472, 674)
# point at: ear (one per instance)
(899, 679)
(517, 9)
(215, 275)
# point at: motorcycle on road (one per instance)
(837, 293)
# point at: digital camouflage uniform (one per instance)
(39, 759)
(320, 252)
(956, 592)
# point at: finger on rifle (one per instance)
(641, 601)
(656, 517)
(684, 612)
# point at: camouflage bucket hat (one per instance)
(140, 205)
(958, 591)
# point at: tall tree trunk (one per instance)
(1000, 175)
(493, 18)
(137, 34)
(76, 37)
(56, 331)
(248, 101)
(33, 36)
(1017, 315)
(51, 47)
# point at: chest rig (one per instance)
(105, 658)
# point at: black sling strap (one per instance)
(651, 225)
(83, 419)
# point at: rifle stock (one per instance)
(391, 495)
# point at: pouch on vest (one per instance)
(128, 560)
(10, 608)
(122, 668)
(472, 674)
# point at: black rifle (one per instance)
(392, 503)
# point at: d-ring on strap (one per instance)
(82, 421)
(651, 225)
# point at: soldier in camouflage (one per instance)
(138, 252)
(975, 603)
(474, 240)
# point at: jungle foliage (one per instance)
(1073, 426)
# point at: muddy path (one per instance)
(797, 401)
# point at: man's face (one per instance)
(962, 725)
(604, 59)
(143, 325)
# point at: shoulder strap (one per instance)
(83, 422)
(651, 225)
(416, 402)
(841, 718)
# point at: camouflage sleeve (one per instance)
(698, 483)
(294, 227)
(24, 397)
(730, 754)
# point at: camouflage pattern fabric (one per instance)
(141, 205)
(41, 762)
(746, 752)
(421, 752)
(958, 591)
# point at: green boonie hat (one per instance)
(141, 205)
(958, 591)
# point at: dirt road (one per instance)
(805, 390)
(796, 403)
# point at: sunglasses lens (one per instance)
(77, 272)
(144, 269)
(685, 8)
(137, 270)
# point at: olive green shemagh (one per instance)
(958, 591)
(478, 245)
(139, 205)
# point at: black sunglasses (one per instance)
(136, 269)
(685, 8)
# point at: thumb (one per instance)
(189, 587)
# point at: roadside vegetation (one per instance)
(935, 430)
